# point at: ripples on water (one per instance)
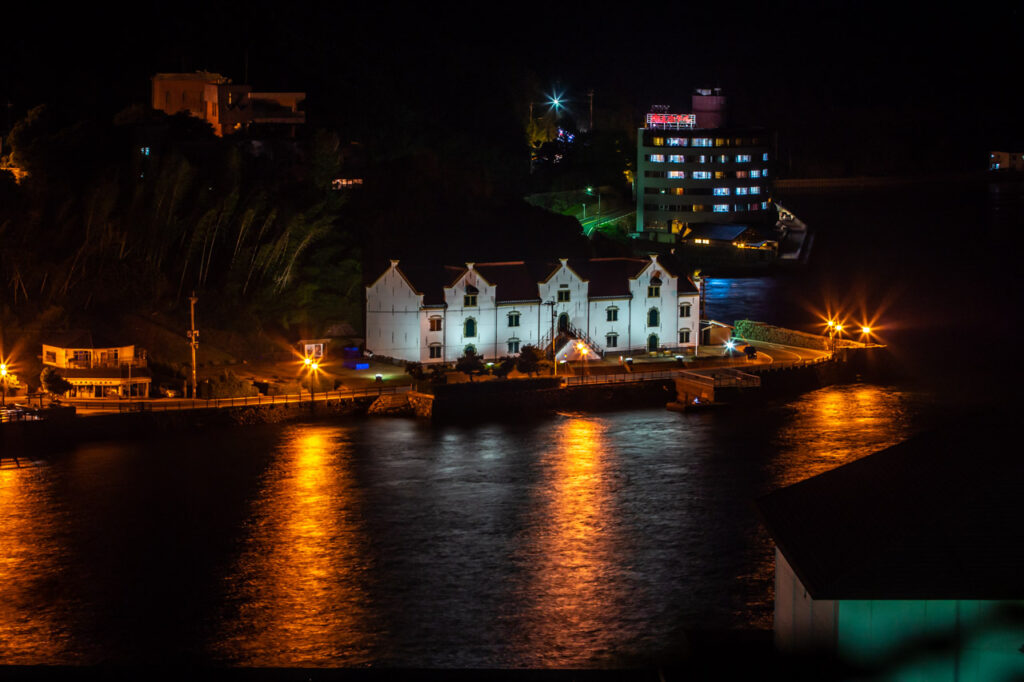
(585, 540)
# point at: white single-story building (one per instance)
(612, 305)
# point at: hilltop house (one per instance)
(612, 305)
(106, 371)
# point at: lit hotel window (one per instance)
(702, 142)
(676, 158)
(741, 174)
(723, 158)
(658, 141)
(742, 158)
(764, 204)
(755, 190)
(755, 173)
(741, 190)
(764, 157)
(721, 208)
(656, 158)
(701, 175)
(721, 191)
(678, 174)
(677, 141)
(702, 159)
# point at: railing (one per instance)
(170, 404)
(104, 364)
(620, 378)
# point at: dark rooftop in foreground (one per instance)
(938, 516)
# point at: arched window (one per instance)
(653, 318)
(652, 343)
(684, 336)
(469, 328)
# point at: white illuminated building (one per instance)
(614, 306)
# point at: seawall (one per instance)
(29, 437)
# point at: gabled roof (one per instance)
(609, 277)
(428, 280)
(935, 517)
(515, 281)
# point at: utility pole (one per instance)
(193, 340)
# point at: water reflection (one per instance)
(298, 591)
(31, 560)
(836, 425)
(573, 585)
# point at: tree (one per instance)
(470, 364)
(53, 383)
(416, 370)
(504, 366)
(532, 360)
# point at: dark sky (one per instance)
(796, 62)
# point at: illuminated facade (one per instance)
(227, 107)
(692, 170)
(611, 305)
(98, 372)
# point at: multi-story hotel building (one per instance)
(691, 169)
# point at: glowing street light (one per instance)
(3, 383)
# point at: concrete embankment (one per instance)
(511, 400)
(28, 437)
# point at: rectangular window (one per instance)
(469, 301)
(741, 190)
(742, 174)
(720, 142)
(764, 204)
(513, 345)
(723, 158)
(755, 190)
(743, 158)
(721, 191)
(654, 174)
(563, 295)
(721, 208)
(684, 336)
(51, 357)
(435, 351)
(657, 141)
(677, 190)
(701, 175)
(611, 341)
(435, 324)
(702, 142)
(612, 314)
(764, 157)
(719, 175)
(513, 319)
(653, 291)
(677, 175)
(764, 172)
(755, 173)
(677, 141)
(656, 158)
(684, 310)
(676, 158)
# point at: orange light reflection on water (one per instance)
(836, 425)
(570, 592)
(299, 585)
(30, 557)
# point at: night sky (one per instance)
(809, 70)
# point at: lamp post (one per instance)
(591, 192)
(3, 383)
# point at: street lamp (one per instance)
(3, 383)
(590, 191)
